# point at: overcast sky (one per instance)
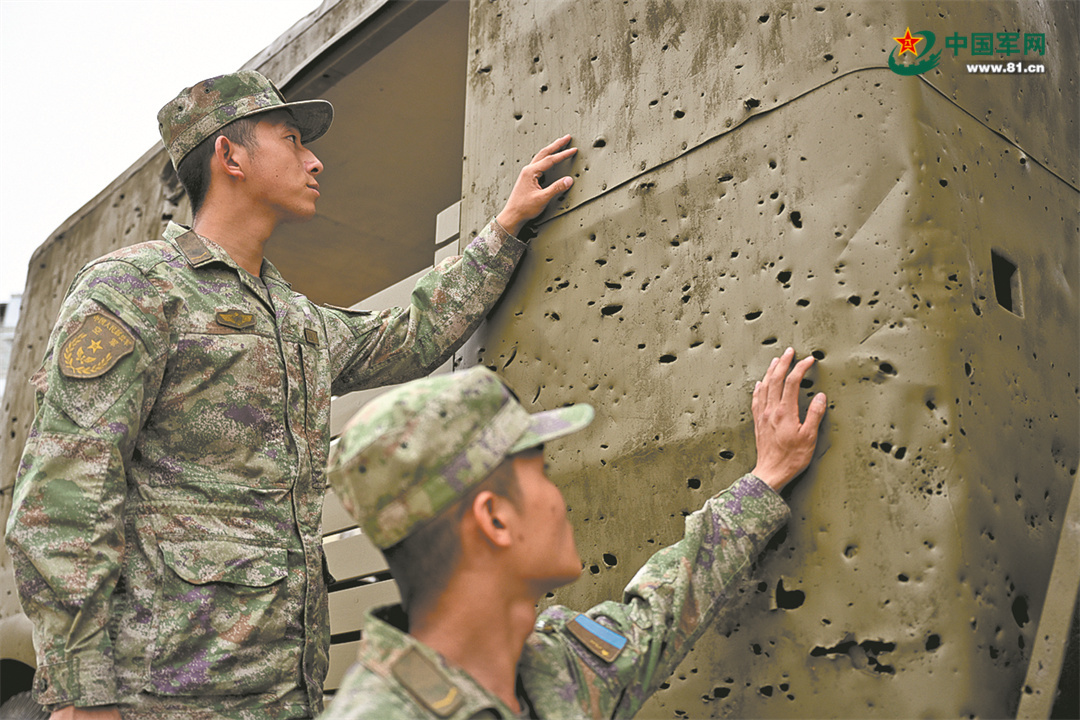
(81, 82)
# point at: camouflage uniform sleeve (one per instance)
(682, 588)
(65, 531)
(448, 304)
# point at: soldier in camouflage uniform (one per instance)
(166, 518)
(432, 457)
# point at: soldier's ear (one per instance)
(492, 516)
(229, 158)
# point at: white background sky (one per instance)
(81, 82)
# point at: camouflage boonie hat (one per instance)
(202, 109)
(410, 453)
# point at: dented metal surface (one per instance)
(753, 176)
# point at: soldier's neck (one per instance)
(241, 234)
(482, 629)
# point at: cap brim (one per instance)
(313, 117)
(552, 424)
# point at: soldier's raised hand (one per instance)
(529, 198)
(785, 445)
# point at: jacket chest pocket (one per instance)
(221, 614)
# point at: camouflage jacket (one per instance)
(166, 519)
(604, 663)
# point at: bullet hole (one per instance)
(930, 404)
(727, 454)
(517, 116)
(767, 691)
(679, 114)
(802, 302)
(724, 178)
(855, 300)
(1020, 611)
(784, 276)
(693, 483)
(900, 453)
(806, 383)
(610, 560)
(967, 369)
(751, 103)
(756, 649)
(772, 166)
(862, 655)
(553, 315)
(543, 88)
(753, 315)
(764, 18)
(665, 359)
(796, 218)
(902, 577)
(1006, 283)
(933, 643)
(788, 599)
(485, 69)
(599, 143)
(820, 8)
(943, 182)
(610, 309)
(721, 692)
(601, 262)
(828, 58)
(769, 341)
(594, 569)
(614, 285)
(818, 354)
(851, 551)
(887, 368)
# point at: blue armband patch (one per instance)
(602, 641)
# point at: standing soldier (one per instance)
(165, 526)
(446, 475)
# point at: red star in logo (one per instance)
(907, 43)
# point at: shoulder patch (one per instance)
(600, 640)
(427, 683)
(237, 319)
(95, 347)
(193, 247)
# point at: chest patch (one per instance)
(96, 347)
(235, 319)
(427, 683)
(601, 641)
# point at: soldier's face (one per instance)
(281, 171)
(547, 556)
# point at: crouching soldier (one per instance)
(446, 475)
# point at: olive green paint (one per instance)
(753, 176)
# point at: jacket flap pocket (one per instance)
(205, 561)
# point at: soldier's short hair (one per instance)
(423, 562)
(194, 170)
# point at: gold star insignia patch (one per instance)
(95, 347)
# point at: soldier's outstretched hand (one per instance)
(785, 445)
(529, 198)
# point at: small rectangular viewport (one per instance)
(1007, 283)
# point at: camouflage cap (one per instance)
(202, 109)
(410, 453)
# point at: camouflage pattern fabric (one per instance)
(410, 453)
(665, 608)
(166, 520)
(204, 108)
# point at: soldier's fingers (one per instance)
(546, 163)
(557, 187)
(794, 379)
(549, 149)
(777, 373)
(766, 382)
(814, 413)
